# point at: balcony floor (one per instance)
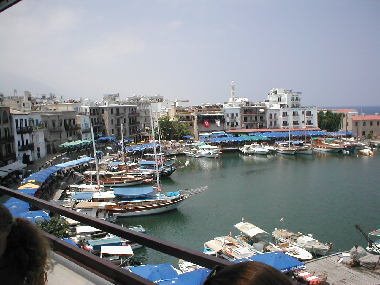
(67, 272)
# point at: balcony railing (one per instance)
(71, 127)
(5, 140)
(26, 147)
(7, 157)
(103, 267)
(24, 130)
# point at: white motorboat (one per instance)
(254, 149)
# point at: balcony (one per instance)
(86, 130)
(26, 147)
(24, 130)
(6, 140)
(71, 127)
(7, 157)
(133, 114)
(55, 129)
(64, 253)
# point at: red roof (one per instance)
(345, 111)
(366, 118)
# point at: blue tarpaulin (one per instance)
(155, 273)
(278, 260)
(83, 196)
(96, 244)
(133, 192)
(34, 216)
(196, 277)
(16, 206)
(28, 191)
(141, 147)
(70, 241)
(76, 162)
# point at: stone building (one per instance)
(366, 126)
(7, 151)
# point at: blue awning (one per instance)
(16, 206)
(155, 273)
(147, 162)
(133, 192)
(278, 260)
(28, 191)
(83, 196)
(196, 277)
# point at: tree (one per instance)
(172, 129)
(56, 226)
(329, 121)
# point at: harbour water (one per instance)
(323, 195)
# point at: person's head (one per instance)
(5, 228)
(247, 273)
(24, 248)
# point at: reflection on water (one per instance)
(323, 195)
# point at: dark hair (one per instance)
(247, 273)
(26, 252)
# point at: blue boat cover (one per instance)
(34, 216)
(98, 243)
(155, 273)
(173, 194)
(278, 260)
(133, 192)
(70, 241)
(196, 277)
(83, 196)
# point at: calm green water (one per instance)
(323, 195)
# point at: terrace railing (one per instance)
(103, 267)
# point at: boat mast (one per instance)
(95, 157)
(122, 143)
(154, 150)
(159, 140)
(289, 139)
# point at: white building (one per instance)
(284, 110)
(85, 126)
(232, 110)
(28, 132)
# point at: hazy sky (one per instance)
(329, 50)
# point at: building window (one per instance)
(370, 123)
(111, 121)
(102, 111)
(284, 123)
(377, 122)
(295, 113)
(270, 116)
(364, 124)
(295, 123)
(363, 133)
(356, 124)
(284, 114)
(228, 123)
(111, 110)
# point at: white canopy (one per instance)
(116, 250)
(249, 229)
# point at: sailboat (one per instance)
(285, 148)
(148, 200)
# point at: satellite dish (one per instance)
(261, 110)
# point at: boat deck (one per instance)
(338, 273)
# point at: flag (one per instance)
(217, 122)
(206, 123)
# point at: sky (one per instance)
(193, 49)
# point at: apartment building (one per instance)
(284, 110)
(28, 131)
(366, 126)
(7, 150)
